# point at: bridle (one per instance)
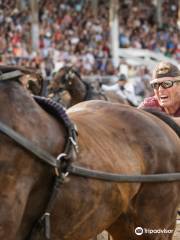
(69, 74)
(62, 163)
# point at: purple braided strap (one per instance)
(54, 109)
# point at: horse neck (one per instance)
(77, 91)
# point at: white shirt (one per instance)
(126, 93)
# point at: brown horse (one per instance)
(113, 138)
(69, 80)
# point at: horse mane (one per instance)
(166, 118)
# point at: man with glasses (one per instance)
(166, 86)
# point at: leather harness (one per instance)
(62, 164)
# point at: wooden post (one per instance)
(20, 4)
(95, 6)
(35, 24)
(159, 12)
(114, 28)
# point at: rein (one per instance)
(85, 172)
(81, 171)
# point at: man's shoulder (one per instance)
(149, 102)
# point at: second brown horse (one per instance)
(68, 88)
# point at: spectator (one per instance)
(123, 89)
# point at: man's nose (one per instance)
(161, 88)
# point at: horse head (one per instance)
(66, 78)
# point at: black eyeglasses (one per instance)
(165, 84)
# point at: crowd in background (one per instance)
(73, 31)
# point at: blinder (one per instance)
(66, 80)
(69, 74)
(10, 75)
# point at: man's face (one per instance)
(168, 94)
(122, 82)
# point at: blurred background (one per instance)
(101, 38)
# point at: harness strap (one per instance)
(59, 112)
(28, 145)
(113, 177)
(45, 221)
(10, 75)
(84, 172)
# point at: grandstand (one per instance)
(78, 32)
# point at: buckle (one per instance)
(58, 159)
(74, 143)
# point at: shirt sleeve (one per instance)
(109, 88)
(149, 102)
(141, 105)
